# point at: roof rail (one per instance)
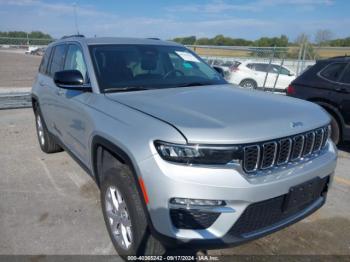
(69, 36)
(338, 57)
(153, 38)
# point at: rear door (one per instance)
(42, 84)
(259, 73)
(342, 94)
(53, 92)
(281, 76)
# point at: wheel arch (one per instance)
(100, 144)
(35, 102)
(332, 110)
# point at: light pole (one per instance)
(75, 17)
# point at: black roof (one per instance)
(345, 58)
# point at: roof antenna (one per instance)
(75, 17)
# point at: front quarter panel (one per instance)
(128, 129)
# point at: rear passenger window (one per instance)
(57, 59)
(250, 66)
(45, 61)
(261, 67)
(333, 71)
(346, 76)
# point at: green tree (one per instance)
(189, 40)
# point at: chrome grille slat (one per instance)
(309, 143)
(285, 149)
(318, 139)
(263, 156)
(251, 158)
(298, 146)
(269, 152)
(325, 136)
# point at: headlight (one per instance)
(198, 154)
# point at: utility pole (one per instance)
(75, 17)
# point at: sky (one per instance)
(250, 19)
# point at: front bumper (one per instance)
(165, 180)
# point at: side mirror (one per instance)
(71, 80)
(219, 70)
(291, 74)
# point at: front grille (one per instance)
(192, 219)
(266, 155)
(262, 215)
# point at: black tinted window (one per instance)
(346, 76)
(45, 61)
(150, 67)
(260, 67)
(57, 59)
(333, 71)
(279, 69)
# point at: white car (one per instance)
(252, 75)
(31, 50)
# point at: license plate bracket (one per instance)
(302, 194)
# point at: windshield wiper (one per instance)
(124, 89)
(194, 84)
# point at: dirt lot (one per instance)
(17, 69)
(49, 205)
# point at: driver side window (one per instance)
(75, 61)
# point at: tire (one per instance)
(45, 139)
(248, 83)
(335, 133)
(119, 186)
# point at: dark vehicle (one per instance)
(327, 83)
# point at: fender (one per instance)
(35, 101)
(96, 157)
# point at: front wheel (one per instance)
(124, 215)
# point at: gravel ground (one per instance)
(17, 69)
(49, 205)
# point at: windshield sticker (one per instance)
(187, 65)
(187, 56)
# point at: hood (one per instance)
(224, 114)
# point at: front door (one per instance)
(75, 119)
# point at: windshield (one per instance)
(139, 67)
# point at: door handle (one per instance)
(41, 83)
(342, 90)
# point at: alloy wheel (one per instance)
(118, 217)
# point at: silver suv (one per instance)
(181, 157)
